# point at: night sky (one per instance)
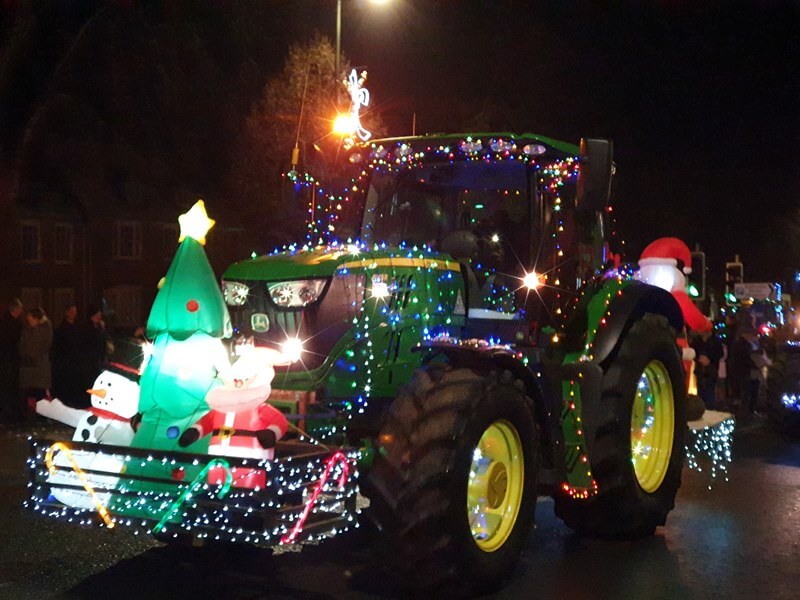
(701, 99)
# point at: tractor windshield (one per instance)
(427, 202)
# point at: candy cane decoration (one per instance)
(329, 464)
(196, 484)
(52, 468)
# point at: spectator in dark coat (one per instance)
(68, 383)
(745, 372)
(94, 355)
(35, 378)
(10, 332)
(708, 352)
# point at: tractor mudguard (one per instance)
(631, 305)
(589, 379)
(526, 365)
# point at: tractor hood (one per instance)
(317, 262)
(326, 261)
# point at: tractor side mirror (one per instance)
(594, 178)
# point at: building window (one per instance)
(63, 244)
(31, 242)
(124, 305)
(127, 240)
(168, 242)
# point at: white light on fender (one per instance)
(495, 238)
(380, 289)
(292, 348)
(532, 280)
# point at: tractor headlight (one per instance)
(292, 294)
(235, 293)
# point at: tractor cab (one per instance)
(507, 207)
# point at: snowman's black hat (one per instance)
(125, 370)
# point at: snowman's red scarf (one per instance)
(107, 414)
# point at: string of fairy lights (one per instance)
(312, 497)
(308, 497)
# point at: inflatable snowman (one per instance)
(115, 398)
(240, 422)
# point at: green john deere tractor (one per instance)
(467, 328)
(462, 338)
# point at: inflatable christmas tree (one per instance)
(187, 323)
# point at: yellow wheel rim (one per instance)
(652, 426)
(496, 481)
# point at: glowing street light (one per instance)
(343, 125)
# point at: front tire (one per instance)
(453, 486)
(638, 452)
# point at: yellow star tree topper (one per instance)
(195, 223)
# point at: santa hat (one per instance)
(669, 251)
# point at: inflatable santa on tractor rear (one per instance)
(665, 263)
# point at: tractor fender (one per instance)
(483, 358)
(628, 307)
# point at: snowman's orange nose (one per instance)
(101, 392)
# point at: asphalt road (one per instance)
(740, 539)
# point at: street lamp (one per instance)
(339, 30)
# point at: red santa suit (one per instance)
(239, 413)
(664, 263)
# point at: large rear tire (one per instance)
(453, 486)
(638, 452)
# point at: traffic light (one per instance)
(734, 273)
(697, 278)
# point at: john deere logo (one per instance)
(259, 323)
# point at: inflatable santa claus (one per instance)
(241, 423)
(665, 263)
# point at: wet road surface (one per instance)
(740, 539)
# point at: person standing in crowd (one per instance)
(746, 368)
(34, 364)
(708, 352)
(68, 384)
(731, 332)
(10, 332)
(94, 352)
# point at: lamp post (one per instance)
(338, 35)
(339, 31)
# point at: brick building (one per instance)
(55, 251)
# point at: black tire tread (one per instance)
(621, 509)
(409, 482)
